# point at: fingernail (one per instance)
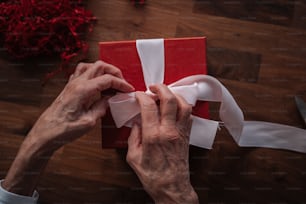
(132, 87)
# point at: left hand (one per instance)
(79, 105)
(71, 115)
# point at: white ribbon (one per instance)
(125, 109)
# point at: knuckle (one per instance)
(132, 158)
(73, 87)
(108, 77)
(99, 63)
(170, 99)
(129, 158)
(184, 130)
(79, 88)
(186, 109)
(111, 80)
(151, 141)
(117, 72)
(153, 138)
(168, 131)
(148, 104)
(89, 121)
(163, 86)
(80, 66)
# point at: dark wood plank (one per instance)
(233, 64)
(268, 51)
(244, 36)
(299, 19)
(81, 191)
(277, 12)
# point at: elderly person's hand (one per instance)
(158, 147)
(73, 113)
(79, 105)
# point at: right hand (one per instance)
(158, 148)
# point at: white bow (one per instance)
(125, 109)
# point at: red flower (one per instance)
(42, 27)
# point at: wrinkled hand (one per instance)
(79, 105)
(158, 148)
(73, 113)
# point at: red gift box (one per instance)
(183, 57)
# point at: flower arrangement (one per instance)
(30, 28)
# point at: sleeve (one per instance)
(11, 198)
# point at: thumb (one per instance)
(135, 137)
(99, 108)
(134, 144)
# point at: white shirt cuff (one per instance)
(12, 198)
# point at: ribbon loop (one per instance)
(125, 109)
(153, 65)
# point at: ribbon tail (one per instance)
(203, 132)
(273, 135)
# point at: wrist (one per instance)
(42, 139)
(36, 146)
(26, 168)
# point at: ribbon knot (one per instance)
(125, 109)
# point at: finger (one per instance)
(134, 145)
(184, 110)
(134, 140)
(80, 69)
(148, 111)
(71, 77)
(100, 68)
(107, 81)
(189, 125)
(186, 128)
(168, 103)
(98, 108)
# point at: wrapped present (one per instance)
(182, 57)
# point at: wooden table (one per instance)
(258, 51)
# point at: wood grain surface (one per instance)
(256, 48)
